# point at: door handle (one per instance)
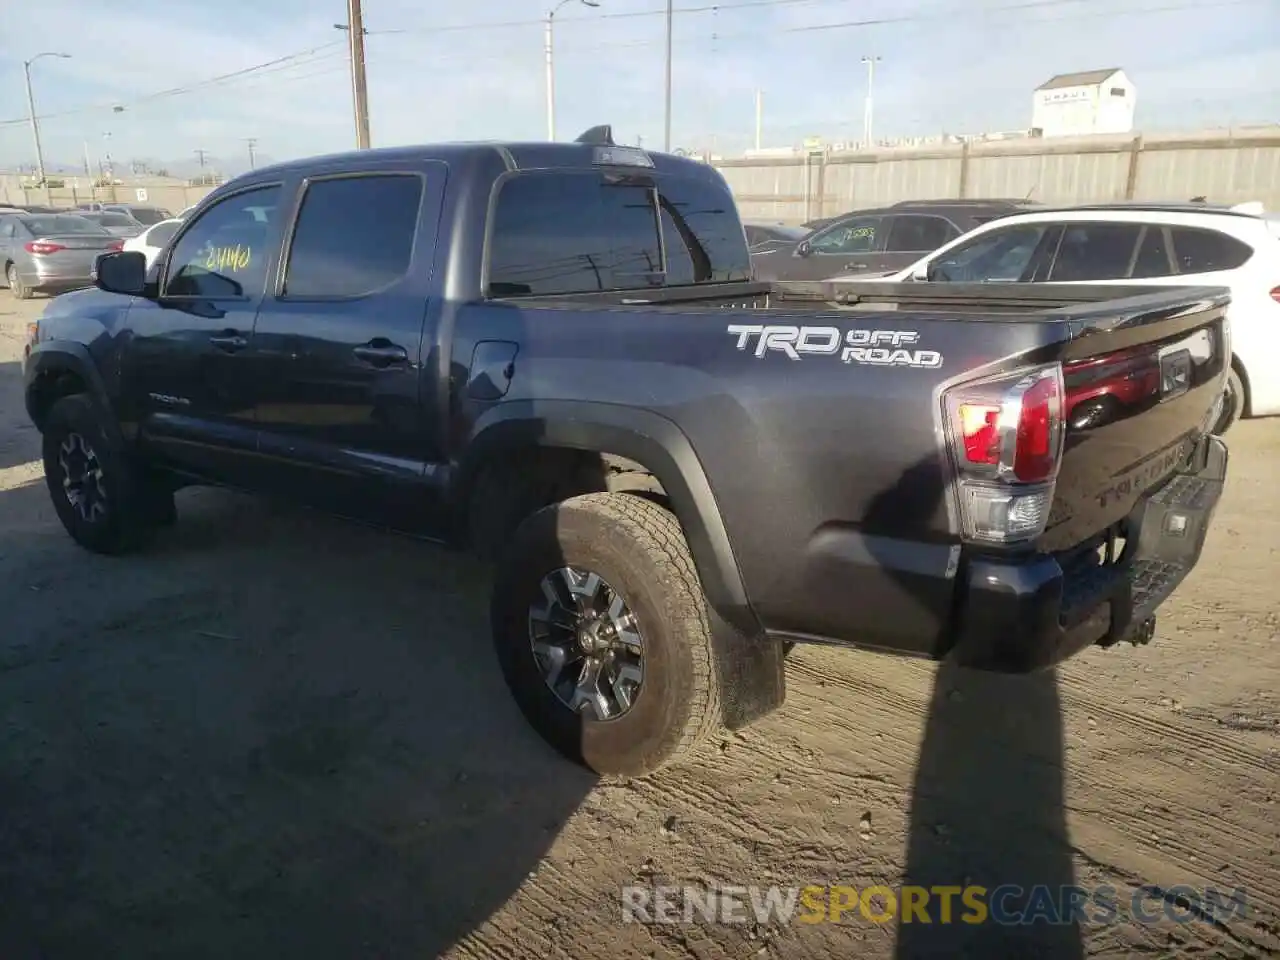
(230, 341)
(855, 266)
(381, 353)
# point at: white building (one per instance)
(1076, 104)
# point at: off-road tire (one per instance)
(640, 550)
(1235, 403)
(19, 289)
(135, 503)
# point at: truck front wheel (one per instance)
(601, 630)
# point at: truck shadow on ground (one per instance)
(988, 806)
(270, 735)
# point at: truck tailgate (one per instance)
(1142, 387)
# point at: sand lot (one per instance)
(278, 735)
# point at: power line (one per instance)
(187, 88)
(275, 68)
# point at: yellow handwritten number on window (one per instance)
(228, 259)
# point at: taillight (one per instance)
(1275, 294)
(43, 247)
(1006, 436)
(116, 246)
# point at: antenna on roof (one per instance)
(601, 136)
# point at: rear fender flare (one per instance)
(650, 440)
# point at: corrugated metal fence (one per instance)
(1226, 167)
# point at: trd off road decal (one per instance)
(876, 348)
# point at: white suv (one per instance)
(1161, 244)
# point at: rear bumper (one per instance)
(1020, 616)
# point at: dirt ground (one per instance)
(279, 735)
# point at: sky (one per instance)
(449, 71)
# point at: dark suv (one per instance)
(877, 241)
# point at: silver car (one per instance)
(50, 252)
(115, 222)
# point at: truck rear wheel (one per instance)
(601, 630)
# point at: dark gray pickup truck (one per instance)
(555, 354)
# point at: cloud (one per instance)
(956, 65)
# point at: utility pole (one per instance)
(200, 155)
(31, 108)
(252, 142)
(548, 49)
(359, 82)
(868, 111)
(666, 137)
(759, 117)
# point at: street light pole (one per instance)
(868, 111)
(548, 48)
(31, 108)
(666, 136)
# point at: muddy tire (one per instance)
(1233, 407)
(105, 502)
(602, 634)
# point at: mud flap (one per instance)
(752, 679)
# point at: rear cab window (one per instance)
(565, 232)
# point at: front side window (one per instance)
(999, 256)
(848, 237)
(354, 235)
(224, 254)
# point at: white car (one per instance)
(152, 241)
(1191, 244)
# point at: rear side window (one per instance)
(559, 233)
(1153, 255)
(1094, 251)
(1205, 251)
(354, 235)
(919, 234)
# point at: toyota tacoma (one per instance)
(555, 354)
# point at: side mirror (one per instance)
(804, 249)
(124, 272)
(921, 273)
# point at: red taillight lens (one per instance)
(980, 433)
(116, 246)
(1007, 433)
(1275, 294)
(43, 246)
(1039, 430)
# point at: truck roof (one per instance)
(585, 153)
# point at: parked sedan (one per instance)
(869, 243)
(50, 252)
(152, 241)
(115, 223)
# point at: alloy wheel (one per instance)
(587, 643)
(82, 478)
